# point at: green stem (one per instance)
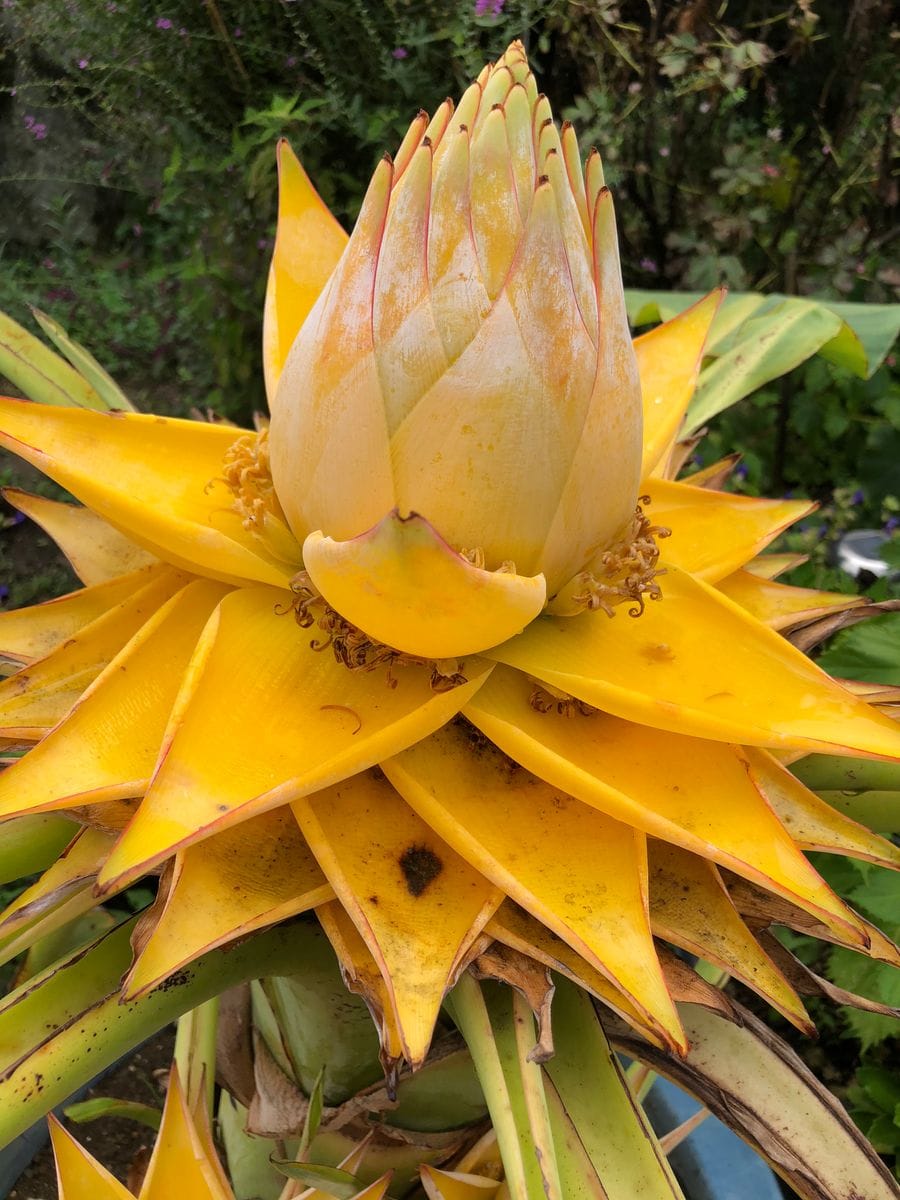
(513, 1088)
(195, 1052)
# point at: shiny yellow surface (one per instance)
(248, 877)
(96, 550)
(714, 533)
(79, 1176)
(416, 903)
(313, 724)
(107, 744)
(669, 359)
(183, 1163)
(408, 589)
(696, 663)
(668, 785)
(156, 479)
(34, 632)
(813, 824)
(308, 244)
(689, 907)
(40, 695)
(777, 604)
(578, 871)
(515, 927)
(452, 1185)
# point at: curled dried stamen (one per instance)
(353, 648)
(626, 571)
(545, 699)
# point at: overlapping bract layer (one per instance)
(574, 790)
(469, 359)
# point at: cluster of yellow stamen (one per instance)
(354, 649)
(247, 473)
(626, 571)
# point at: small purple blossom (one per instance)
(891, 524)
(650, 265)
(740, 471)
(664, 152)
(290, 61)
(826, 150)
(82, 63)
(163, 23)
(400, 52)
(858, 496)
(495, 7)
(4, 590)
(238, 32)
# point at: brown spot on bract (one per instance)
(659, 652)
(420, 866)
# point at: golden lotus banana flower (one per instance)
(390, 658)
(468, 373)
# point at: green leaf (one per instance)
(340, 1184)
(594, 1094)
(40, 374)
(866, 977)
(860, 342)
(313, 1115)
(87, 366)
(60, 1028)
(869, 651)
(109, 1106)
(752, 1081)
(874, 329)
(883, 1086)
(30, 844)
(766, 346)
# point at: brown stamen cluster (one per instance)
(246, 472)
(354, 649)
(627, 570)
(545, 699)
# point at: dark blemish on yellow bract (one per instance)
(420, 866)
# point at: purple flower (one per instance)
(649, 265)
(82, 63)
(238, 33)
(400, 52)
(291, 61)
(826, 150)
(163, 23)
(664, 152)
(740, 471)
(891, 524)
(494, 6)
(858, 496)
(4, 590)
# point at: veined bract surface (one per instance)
(444, 653)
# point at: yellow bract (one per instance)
(184, 1161)
(389, 726)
